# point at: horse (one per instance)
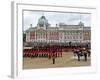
(82, 53)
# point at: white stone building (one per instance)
(62, 33)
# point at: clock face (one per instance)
(41, 25)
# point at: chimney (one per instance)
(56, 25)
(30, 25)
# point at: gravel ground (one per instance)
(66, 60)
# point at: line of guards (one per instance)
(54, 52)
(43, 52)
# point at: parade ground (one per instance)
(67, 60)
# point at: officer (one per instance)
(53, 57)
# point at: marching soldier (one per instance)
(85, 54)
(53, 57)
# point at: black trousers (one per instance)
(85, 56)
(53, 60)
(78, 57)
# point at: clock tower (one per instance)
(42, 23)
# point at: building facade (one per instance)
(60, 33)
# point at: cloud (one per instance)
(31, 17)
(73, 17)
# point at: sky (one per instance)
(31, 17)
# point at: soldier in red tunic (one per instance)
(53, 56)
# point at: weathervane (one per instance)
(80, 17)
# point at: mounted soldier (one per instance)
(78, 53)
